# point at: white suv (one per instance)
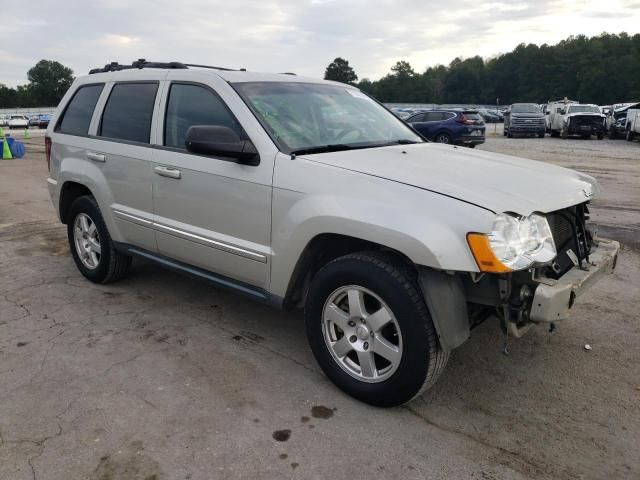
(306, 193)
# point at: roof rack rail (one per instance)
(215, 68)
(142, 63)
(139, 64)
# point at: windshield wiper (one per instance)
(339, 147)
(336, 147)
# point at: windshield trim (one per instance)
(290, 151)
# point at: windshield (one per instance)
(583, 109)
(525, 108)
(311, 118)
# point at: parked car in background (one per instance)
(18, 121)
(489, 116)
(617, 122)
(554, 108)
(43, 121)
(4, 120)
(463, 127)
(633, 125)
(33, 120)
(524, 119)
(576, 119)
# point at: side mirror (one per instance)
(221, 141)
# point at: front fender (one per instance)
(428, 228)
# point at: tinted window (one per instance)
(433, 116)
(127, 114)
(416, 118)
(193, 105)
(473, 116)
(77, 116)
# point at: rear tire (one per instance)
(91, 246)
(630, 136)
(443, 138)
(379, 283)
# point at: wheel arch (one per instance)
(70, 191)
(322, 249)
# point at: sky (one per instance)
(301, 36)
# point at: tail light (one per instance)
(464, 120)
(47, 151)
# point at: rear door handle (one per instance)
(96, 157)
(168, 172)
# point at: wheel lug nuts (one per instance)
(366, 345)
(353, 338)
(352, 323)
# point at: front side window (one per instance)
(77, 116)
(311, 118)
(190, 105)
(128, 112)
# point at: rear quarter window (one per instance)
(77, 115)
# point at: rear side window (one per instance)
(434, 116)
(128, 112)
(77, 116)
(194, 105)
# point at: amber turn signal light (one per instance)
(485, 258)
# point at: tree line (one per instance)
(604, 69)
(48, 82)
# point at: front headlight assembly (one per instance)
(515, 243)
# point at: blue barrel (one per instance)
(17, 148)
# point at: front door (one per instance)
(209, 212)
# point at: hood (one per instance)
(496, 182)
(585, 114)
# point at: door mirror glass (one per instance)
(221, 141)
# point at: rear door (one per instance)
(432, 123)
(210, 212)
(120, 158)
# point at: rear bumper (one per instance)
(553, 300)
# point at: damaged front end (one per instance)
(585, 125)
(546, 293)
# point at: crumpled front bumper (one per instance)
(553, 299)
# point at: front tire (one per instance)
(91, 246)
(370, 331)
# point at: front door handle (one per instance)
(96, 157)
(168, 172)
